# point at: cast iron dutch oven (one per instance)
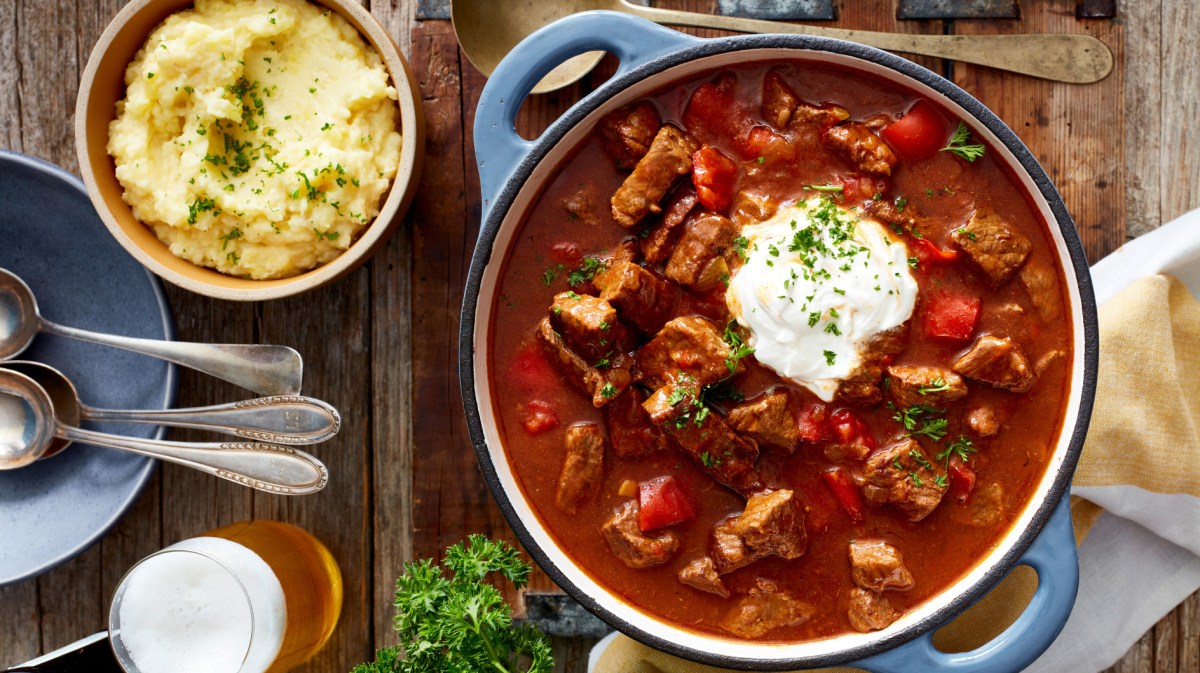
(512, 171)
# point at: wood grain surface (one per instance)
(381, 345)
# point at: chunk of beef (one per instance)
(779, 100)
(861, 387)
(602, 385)
(878, 566)
(764, 609)
(641, 298)
(932, 386)
(771, 524)
(669, 157)
(751, 207)
(769, 420)
(689, 346)
(635, 548)
(629, 428)
(985, 506)
(589, 324)
(583, 467)
(1045, 360)
(823, 116)
(886, 211)
(704, 436)
(700, 574)
(902, 476)
(659, 239)
(992, 245)
(869, 611)
(629, 131)
(860, 146)
(983, 421)
(707, 238)
(997, 362)
(1041, 284)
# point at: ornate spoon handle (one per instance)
(282, 419)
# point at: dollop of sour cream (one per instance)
(818, 282)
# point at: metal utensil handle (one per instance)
(266, 370)
(280, 419)
(1054, 557)
(266, 467)
(1062, 57)
(498, 148)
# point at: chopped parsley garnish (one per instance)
(588, 268)
(830, 358)
(609, 391)
(814, 318)
(967, 232)
(739, 246)
(935, 386)
(832, 328)
(200, 205)
(233, 235)
(959, 146)
(901, 202)
(551, 273)
(933, 428)
(738, 348)
(826, 188)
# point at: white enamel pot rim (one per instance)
(511, 174)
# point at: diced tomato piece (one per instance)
(530, 369)
(766, 146)
(714, 111)
(962, 479)
(566, 252)
(845, 491)
(848, 428)
(713, 174)
(928, 253)
(814, 423)
(662, 502)
(538, 417)
(951, 315)
(919, 134)
(855, 190)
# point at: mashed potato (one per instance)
(257, 137)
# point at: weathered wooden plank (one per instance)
(1143, 113)
(10, 99)
(1189, 634)
(391, 475)
(1179, 168)
(20, 623)
(1071, 129)
(1166, 643)
(1139, 658)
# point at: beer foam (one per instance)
(185, 612)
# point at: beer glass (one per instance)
(253, 597)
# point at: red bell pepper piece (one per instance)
(713, 174)
(928, 253)
(662, 502)
(848, 428)
(962, 479)
(814, 423)
(839, 481)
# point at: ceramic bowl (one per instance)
(103, 84)
(512, 174)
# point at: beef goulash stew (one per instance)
(779, 353)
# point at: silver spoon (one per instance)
(28, 426)
(282, 419)
(266, 370)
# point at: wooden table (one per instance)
(380, 345)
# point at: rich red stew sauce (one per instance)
(980, 372)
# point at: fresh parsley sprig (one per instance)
(458, 623)
(959, 146)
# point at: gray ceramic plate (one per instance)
(51, 236)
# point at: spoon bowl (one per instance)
(63, 396)
(487, 30)
(25, 434)
(18, 316)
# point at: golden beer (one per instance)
(252, 597)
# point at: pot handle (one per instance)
(498, 148)
(1054, 557)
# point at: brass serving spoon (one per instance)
(487, 30)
